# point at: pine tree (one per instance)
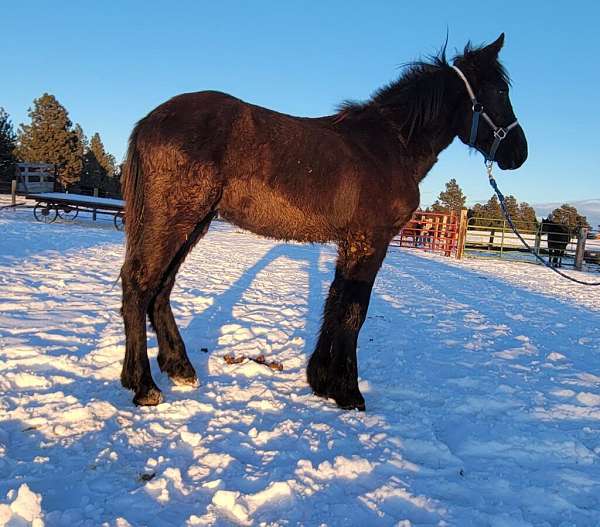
(82, 148)
(527, 217)
(487, 214)
(568, 215)
(92, 174)
(512, 206)
(7, 147)
(81, 138)
(49, 138)
(450, 200)
(106, 160)
(99, 167)
(490, 214)
(114, 183)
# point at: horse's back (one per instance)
(211, 121)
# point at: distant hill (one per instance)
(587, 207)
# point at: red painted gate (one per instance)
(435, 232)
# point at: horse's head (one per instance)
(546, 222)
(485, 119)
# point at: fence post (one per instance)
(538, 240)
(13, 192)
(492, 236)
(462, 234)
(447, 246)
(580, 251)
(502, 239)
(94, 211)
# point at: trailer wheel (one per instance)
(46, 213)
(68, 213)
(119, 221)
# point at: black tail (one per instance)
(132, 185)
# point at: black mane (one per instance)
(417, 94)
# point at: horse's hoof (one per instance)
(180, 380)
(349, 399)
(353, 401)
(181, 373)
(352, 404)
(150, 397)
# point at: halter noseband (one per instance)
(499, 132)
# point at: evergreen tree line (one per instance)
(50, 137)
(489, 214)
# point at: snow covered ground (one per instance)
(482, 383)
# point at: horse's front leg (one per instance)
(332, 369)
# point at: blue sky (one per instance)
(110, 63)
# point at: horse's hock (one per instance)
(436, 232)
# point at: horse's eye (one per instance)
(502, 92)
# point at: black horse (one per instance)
(559, 236)
(351, 178)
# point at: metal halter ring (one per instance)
(477, 107)
(500, 133)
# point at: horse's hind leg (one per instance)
(150, 266)
(138, 275)
(332, 369)
(172, 356)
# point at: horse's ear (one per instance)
(492, 50)
(486, 54)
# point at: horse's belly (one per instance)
(255, 207)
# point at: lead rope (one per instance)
(489, 166)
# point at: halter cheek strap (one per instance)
(499, 132)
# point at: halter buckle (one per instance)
(500, 133)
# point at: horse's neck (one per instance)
(426, 149)
(423, 143)
(384, 124)
(427, 141)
